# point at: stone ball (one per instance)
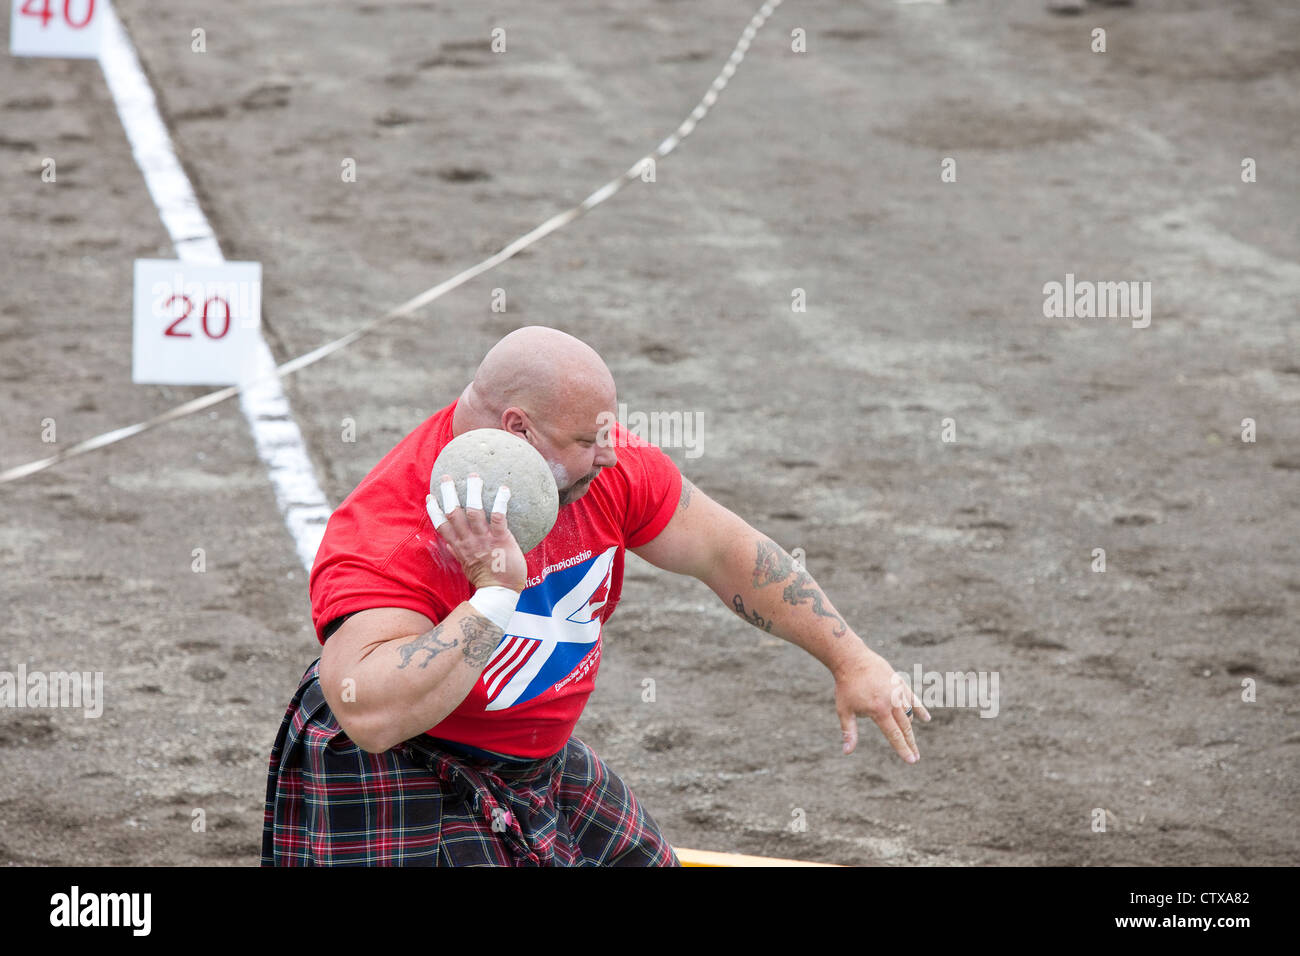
(501, 458)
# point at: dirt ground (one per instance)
(1120, 691)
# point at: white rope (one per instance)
(558, 221)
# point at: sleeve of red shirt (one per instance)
(347, 583)
(654, 486)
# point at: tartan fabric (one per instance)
(330, 803)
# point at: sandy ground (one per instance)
(1119, 691)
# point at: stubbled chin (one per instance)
(571, 495)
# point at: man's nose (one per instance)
(606, 457)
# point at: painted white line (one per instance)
(275, 433)
(558, 221)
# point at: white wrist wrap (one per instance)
(497, 604)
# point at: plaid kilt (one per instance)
(330, 803)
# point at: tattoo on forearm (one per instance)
(772, 564)
(753, 617)
(430, 642)
(481, 639)
(804, 588)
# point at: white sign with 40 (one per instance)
(69, 28)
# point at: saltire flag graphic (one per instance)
(555, 624)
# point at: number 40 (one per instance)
(41, 8)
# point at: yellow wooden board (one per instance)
(710, 858)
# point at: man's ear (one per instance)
(516, 421)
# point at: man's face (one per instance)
(575, 443)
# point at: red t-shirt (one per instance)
(380, 550)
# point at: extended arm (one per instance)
(760, 582)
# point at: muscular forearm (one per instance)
(760, 582)
(401, 687)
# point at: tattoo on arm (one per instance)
(684, 501)
(481, 639)
(804, 588)
(753, 617)
(772, 564)
(430, 642)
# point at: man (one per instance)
(436, 728)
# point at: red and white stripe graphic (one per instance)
(513, 654)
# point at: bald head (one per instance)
(550, 389)
(538, 369)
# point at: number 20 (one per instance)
(189, 307)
